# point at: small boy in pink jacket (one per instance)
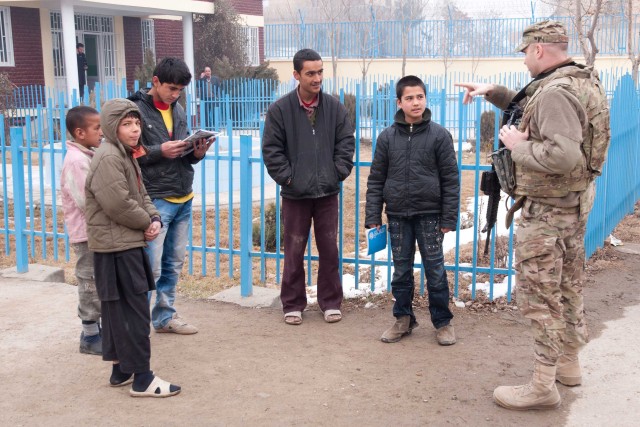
(83, 124)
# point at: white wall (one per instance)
(351, 68)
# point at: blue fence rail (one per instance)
(464, 38)
(234, 191)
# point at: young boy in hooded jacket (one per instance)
(120, 220)
(415, 174)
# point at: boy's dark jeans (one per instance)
(404, 231)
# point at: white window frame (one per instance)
(147, 27)
(100, 25)
(6, 39)
(252, 43)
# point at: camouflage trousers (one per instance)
(88, 302)
(550, 261)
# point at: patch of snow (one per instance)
(615, 241)
(499, 288)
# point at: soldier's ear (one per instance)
(539, 50)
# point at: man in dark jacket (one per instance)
(83, 66)
(415, 173)
(168, 177)
(208, 89)
(308, 147)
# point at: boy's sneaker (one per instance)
(446, 335)
(90, 344)
(403, 326)
(178, 326)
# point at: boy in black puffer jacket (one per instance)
(415, 173)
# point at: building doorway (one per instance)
(91, 52)
(97, 34)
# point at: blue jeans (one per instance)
(166, 254)
(404, 231)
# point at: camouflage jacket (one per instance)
(551, 166)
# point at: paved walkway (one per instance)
(611, 363)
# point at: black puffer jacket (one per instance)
(163, 177)
(316, 158)
(414, 171)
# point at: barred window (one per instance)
(6, 38)
(148, 37)
(252, 44)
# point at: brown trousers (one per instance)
(297, 216)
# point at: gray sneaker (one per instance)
(446, 335)
(178, 326)
(90, 344)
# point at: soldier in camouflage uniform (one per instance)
(558, 149)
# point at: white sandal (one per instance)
(293, 318)
(157, 388)
(329, 316)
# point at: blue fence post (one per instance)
(19, 206)
(246, 214)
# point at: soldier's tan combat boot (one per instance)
(402, 327)
(568, 370)
(540, 393)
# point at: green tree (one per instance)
(7, 102)
(226, 71)
(219, 37)
(144, 73)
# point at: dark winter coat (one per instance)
(414, 171)
(315, 157)
(162, 176)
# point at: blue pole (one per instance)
(246, 273)
(19, 210)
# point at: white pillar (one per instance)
(69, 42)
(187, 43)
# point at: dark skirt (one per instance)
(123, 280)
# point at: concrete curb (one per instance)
(36, 273)
(261, 298)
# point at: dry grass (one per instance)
(197, 285)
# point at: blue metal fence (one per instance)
(474, 38)
(234, 189)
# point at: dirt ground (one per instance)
(246, 367)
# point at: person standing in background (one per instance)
(82, 69)
(208, 89)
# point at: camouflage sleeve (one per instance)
(500, 96)
(555, 134)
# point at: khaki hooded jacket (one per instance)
(118, 209)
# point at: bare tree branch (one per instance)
(632, 48)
